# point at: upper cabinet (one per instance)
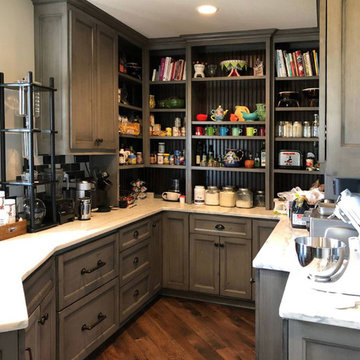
(340, 36)
(80, 52)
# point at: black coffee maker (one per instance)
(103, 185)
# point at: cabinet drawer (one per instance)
(135, 260)
(86, 324)
(134, 294)
(221, 225)
(39, 284)
(86, 268)
(133, 234)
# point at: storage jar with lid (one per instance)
(227, 196)
(161, 147)
(212, 196)
(315, 127)
(260, 198)
(297, 129)
(280, 129)
(288, 129)
(307, 129)
(199, 195)
(244, 198)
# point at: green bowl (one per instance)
(161, 104)
(175, 103)
(250, 117)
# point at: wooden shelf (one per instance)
(218, 137)
(291, 78)
(168, 137)
(296, 139)
(156, 166)
(225, 78)
(128, 167)
(300, 108)
(228, 123)
(298, 172)
(234, 169)
(130, 107)
(130, 136)
(130, 78)
(172, 82)
(167, 110)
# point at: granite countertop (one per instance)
(20, 256)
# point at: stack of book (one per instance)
(169, 70)
(289, 64)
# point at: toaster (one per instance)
(290, 159)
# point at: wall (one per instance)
(16, 58)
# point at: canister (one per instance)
(212, 196)
(227, 196)
(199, 195)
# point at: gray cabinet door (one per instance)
(261, 231)
(32, 336)
(343, 86)
(106, 120)
(235, 267)
(83, 77)
(176, 251)
(204, 263)
(10, 346)
(156, 254)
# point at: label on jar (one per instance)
(297, 219)
(199, 196)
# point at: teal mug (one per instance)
(210, 131)
(236, 131)
(223, 130)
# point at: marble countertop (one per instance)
(21, 255)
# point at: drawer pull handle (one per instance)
(221, 245)
(30, 353)
(99, 265)
(136, 293)
(219, 227)
(136, 234)
(216, 244)
(136, 260)
(101, 317)
(43, 319)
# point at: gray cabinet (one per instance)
(80, 52)
(311, 341)
(176, 251)
(339, 41)
(32, 336)
(156, 253)
(10, 346)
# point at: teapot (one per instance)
(239, 110)
(218, 114)
(233, 157)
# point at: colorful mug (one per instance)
(199, 130)
(236, 131)
(251, 131)
(223, 130)
(210, 131)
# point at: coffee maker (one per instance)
(103, 185)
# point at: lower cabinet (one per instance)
(220, 265)
(10, 345)
(87, 323)
(156, 254)
(176, 251)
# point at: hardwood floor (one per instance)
(174, 329)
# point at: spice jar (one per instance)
(227, 196)
(152, 158)
(166, 159)
(139, 157)
(260, 198)
(297, 129)
(212, 196)
(307, 129)
(160, 158)
(244, 198)
(199, 195)
(288, 129)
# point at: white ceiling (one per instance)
(164, 18)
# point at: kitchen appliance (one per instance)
(103, 186)
(290, 159)
(84, 211)
(288, 99)
(84, 189)
(175, 185)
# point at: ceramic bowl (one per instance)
(174, 103)
(201, 117)
(250, 117)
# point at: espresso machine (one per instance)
(85, 192)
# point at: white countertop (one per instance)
(20, 256)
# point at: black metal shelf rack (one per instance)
(30, 87)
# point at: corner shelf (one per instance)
(228, 169)
(228, 123)
(298, 172)
(131, 136)
(219, 137)
(156, 166)
(130, 107)
(291, 78)
(167, 110)
(127, 77)
(300, 108)
(129, 167)
(296, 139)
(168, 137)
(231, 78)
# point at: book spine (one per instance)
(277, 62)
(292, 65)
(162, 67)
(308, 60)
(294, 61)
(153, 75)
(282, 64)
(286, 63)
(167, 68)
(316, 63)
(288, 58)
(299, 63)
(184, 71)
(172, 69)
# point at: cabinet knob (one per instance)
(136, 293)
(221, 245)
(101, 140)
(136, 260)
(154, 225)
(136, 234)
(43, 319)
(97, 141)
(252, 281)
(219, 227)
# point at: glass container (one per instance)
(199, 195)
(259, 198)
(227, 196)
(288, 129)
(39, 210)
(297, 129)
(244, 198)
(212, 196)
(280, 129)
(315, 127)
(307, 129)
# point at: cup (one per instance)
(236, 131)
(251, 131)
(261, 131)
(199, 130)
(223, 130)
(171, 196)
(210, 131)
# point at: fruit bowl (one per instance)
(201, 117)
(233, 66)
(250, 116)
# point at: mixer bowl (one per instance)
(321, 257)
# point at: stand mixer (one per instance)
(344, 258)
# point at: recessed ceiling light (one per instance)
(206, 9)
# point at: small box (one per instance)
(11, 230)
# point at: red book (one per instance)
(161, 72)
(292, 65)
(294, 61)
(299, 63)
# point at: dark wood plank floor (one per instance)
(173, 329)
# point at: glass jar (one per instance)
(199, 195)
(212, 196)
(297, 129)
(288, 129)
(260, 198)
(280, 129)
(39, 210)
(152, 158)
(307, 129)
(139, 157)
(161, 147)
(166, 159)
(227, 196)
(160, 158)
(315, 127)
(152, 101)
(244, 198)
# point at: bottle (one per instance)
(199, 195)
(307, 129)
(315, 127)
(263, 155)
(299, 206)
(211, 156)
(198, 155)
(257, 160)
(249, 163)
(122, 157)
